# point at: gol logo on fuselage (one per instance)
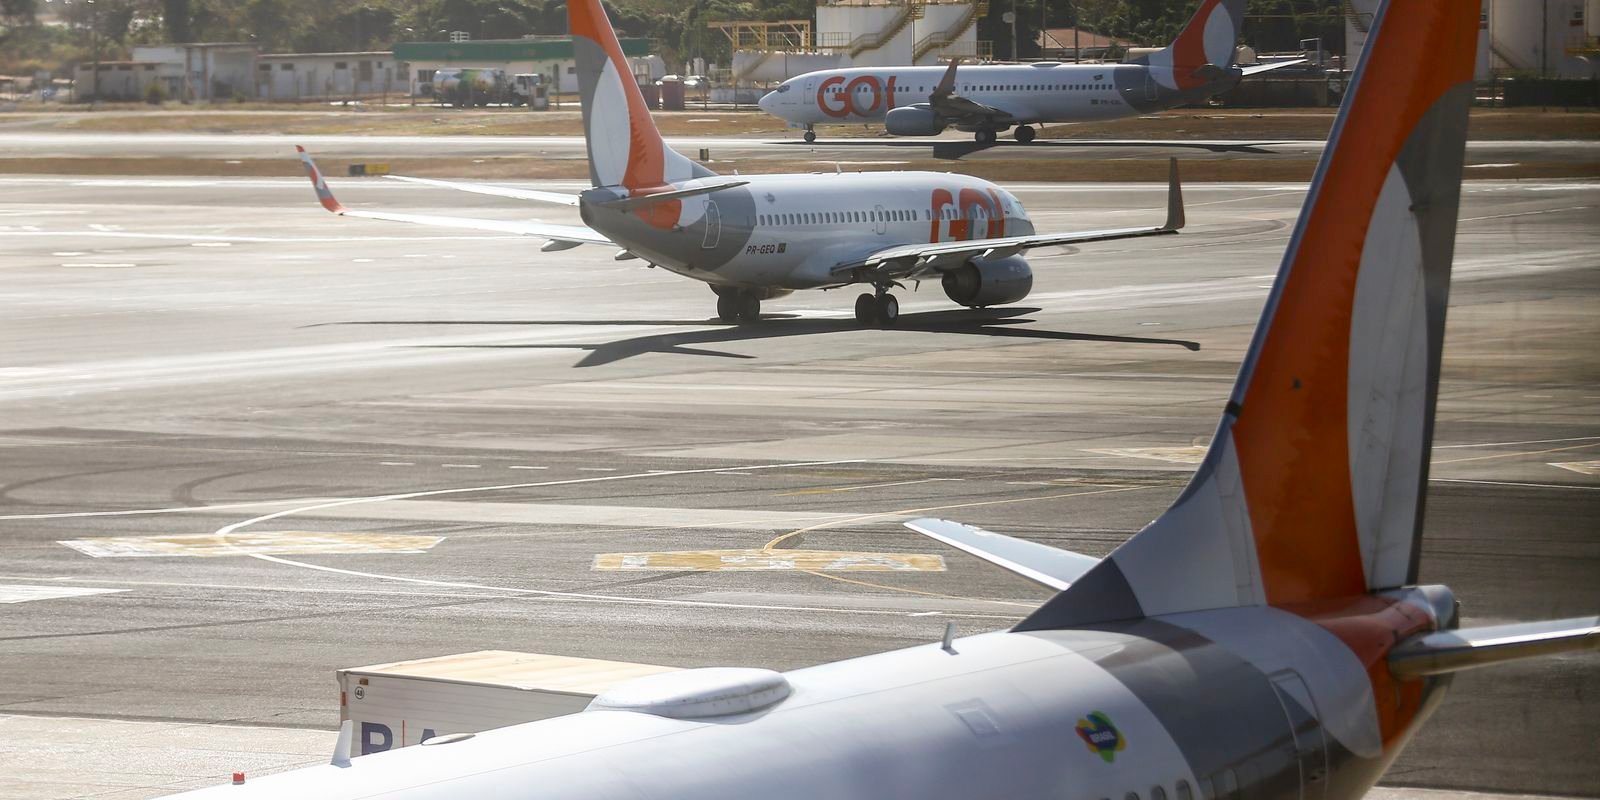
(863, 95)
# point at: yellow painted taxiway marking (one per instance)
(207, 545)
(761, 559)
(1581, 467)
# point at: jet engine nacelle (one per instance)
(915, 120)
(989, 283)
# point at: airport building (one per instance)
(860, 33)
(225, 71)
(1519, 38)
(550, 56)
(312, 76)
(197, 71)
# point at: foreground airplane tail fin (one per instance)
(1313, 487)
(1203, 50)
(625, 148)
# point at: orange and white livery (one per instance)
(1264, 638)
(989, 98)
(754, 238)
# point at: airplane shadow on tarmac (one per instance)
(985, 322)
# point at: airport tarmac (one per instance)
(867, 152)
(247, 443)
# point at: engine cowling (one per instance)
(917, 120)
(977, 284)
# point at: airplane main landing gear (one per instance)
(810, 135)
(984, 136)
(737, 306)
(1025, 133)
(880, 308)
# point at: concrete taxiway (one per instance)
(55, 144)
(247, 443)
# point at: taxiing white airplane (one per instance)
(987, 99)
(759, 237)
(1266, 637)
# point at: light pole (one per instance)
(94, 42)
(1011, 17)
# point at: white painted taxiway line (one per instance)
(134, 512)
(563, 514)
(123, 374)
(228, 530)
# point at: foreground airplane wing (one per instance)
(1260, 68)
(560, 236)
(1045, 565)
(920, 259)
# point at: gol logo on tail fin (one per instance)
(1101, 736)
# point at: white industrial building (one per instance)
(200, 71)
(550, 56)
(330, 76)
(872, 33)
(1548, 38)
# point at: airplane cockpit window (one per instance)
(783, 88)
(1184, 792)
(1158, 793)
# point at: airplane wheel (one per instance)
(810, 136)
(866, 309)
(727, 307)
(984, 137)
(1025, 134)
(888, 309)
(749, 308)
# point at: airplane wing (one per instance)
(959, 110)
(560, 237)
(497, 191)
(1260, 68)
(1045, 565)
(1464, 648)
(912, 260)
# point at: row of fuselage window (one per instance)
(847, 217)
(989, 87)
(1182, 791)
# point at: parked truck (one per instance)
(468, 87)
(408, 702)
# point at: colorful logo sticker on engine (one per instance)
(1101, 736)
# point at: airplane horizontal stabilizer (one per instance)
(495, 191)
(570, 234)
(559, 233)
(1465, 648)
(640, 201)
(1042, 564)
(1257, 69)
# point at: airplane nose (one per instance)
(769, 102)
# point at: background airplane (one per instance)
(758, 237)
(986, 99)
(1266, 637)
